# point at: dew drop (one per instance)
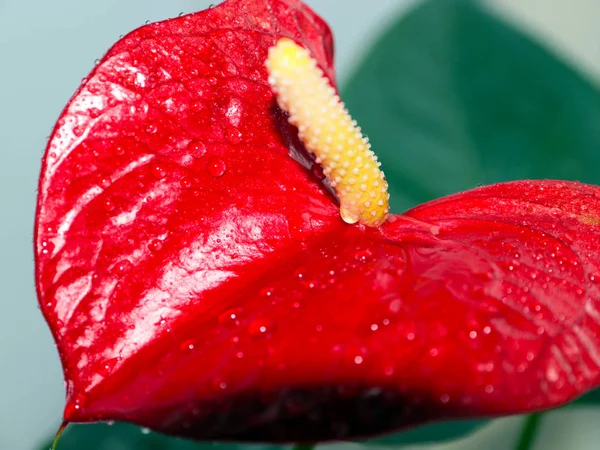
(185, 182)
(594, 277)
(155, 245)
(151, 128)
(47, 247)
(233, 135)
(108, 366)
(219, 384)
(260, 328)
(122, 267)
(108, 205)
(395, 306)
(188, 345)
(216, 167)
(104, 181)
(158, 172)
(266, 292)
(348, 216)
(197, 149)
(145, 430)
(363, 255)
(94, 112)
(74, 406)
(231, 316)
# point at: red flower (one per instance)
(199, 281)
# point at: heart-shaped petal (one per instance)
(199, 281)
(171, 160)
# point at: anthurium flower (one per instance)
(205, 276)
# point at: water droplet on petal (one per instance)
(197, 149)
(231, 316)
(155, 245)
(389, 370)
(47, 247)
(108, 366)
(185, 182)
(260, 327)
(233, 135)
(108, 205)
(219, 384)
(158, 171)
(363, 255)
(395, 306)
(75, 405)
(104, 180)
(188, 345)
(122, 267)
(216, 167)
(151, 128)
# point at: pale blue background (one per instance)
(46, 47)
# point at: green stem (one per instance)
(530, 431)
(303, 447)
(59, 434)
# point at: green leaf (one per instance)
(436, 432)
(128, 437)
(451, 98)
(592, 398)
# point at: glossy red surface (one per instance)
(198, 279)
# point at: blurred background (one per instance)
(46, 47)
